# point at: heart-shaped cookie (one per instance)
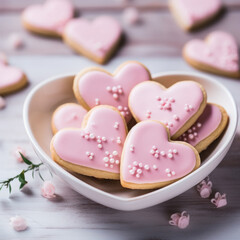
(95, 86)
(95, 150)
(217, 54)
(190, 14)
(49, 18)
(96, 40)
(68, 115)
(11, 79)
(150, 160)
(178, 106)
(207, 128)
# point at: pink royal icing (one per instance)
(194, 11)
(98, 145)
(220, 51)
(52, 15)
(69, 115)
(97, 37)
(154, 159)
(206, 124)
(169, 106)
(98, 87)
(9, 76)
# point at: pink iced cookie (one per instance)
(207, 128)
(49, 18)
(218, 54)
(11, 79)
(95, 150)
(96, 40)
(95, 86)
(177, 110)
(190, 14)
(150, 160)
(68, 115)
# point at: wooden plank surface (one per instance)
(157, 42)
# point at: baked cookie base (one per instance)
(14, 87)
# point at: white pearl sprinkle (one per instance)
(155, 167)
(129, 166)
(167, 170)
(139, 171)
(92, 136)
(199, 125)
(140, 165)
(131, 172)
(112, 160)
(117, 162)
(135, 163)
(146, 167)
(175, 151)
(115, 153)
(173, 173)
(162, 153)
(104, 139)
(169, 175)
(137, 175)
(105, 159)
(170, 155)
(100, 146)
(106, 165)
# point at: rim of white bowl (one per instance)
(79, 181)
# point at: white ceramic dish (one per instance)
(43, 100)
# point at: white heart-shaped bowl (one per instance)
(48, 95)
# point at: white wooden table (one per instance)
(73, 216)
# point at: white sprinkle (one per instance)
(87, 153)
(152, 151)
(99, 140)
(112, 160)
(162, 153)
(146, 167)
(117, 162)
(170, 150)
(199, 125)
(155, 167)
(104, 139)
(139, 171)
(173, 173)
(137, 175)
(115, 153)
(175, 151)
(156, 155)
(169, 175)
(191, 136)
(99, 146)
(129, 166)
(170, 155)
(132, 172)
(140, 165)
(107, 152)
(115, 96)
(105, 159)
(167, 170)
(106, 165)
(108, 88)
(92, 136)
(135, 163)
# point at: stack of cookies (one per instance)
(172, 126)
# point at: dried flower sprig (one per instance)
(21, 177)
